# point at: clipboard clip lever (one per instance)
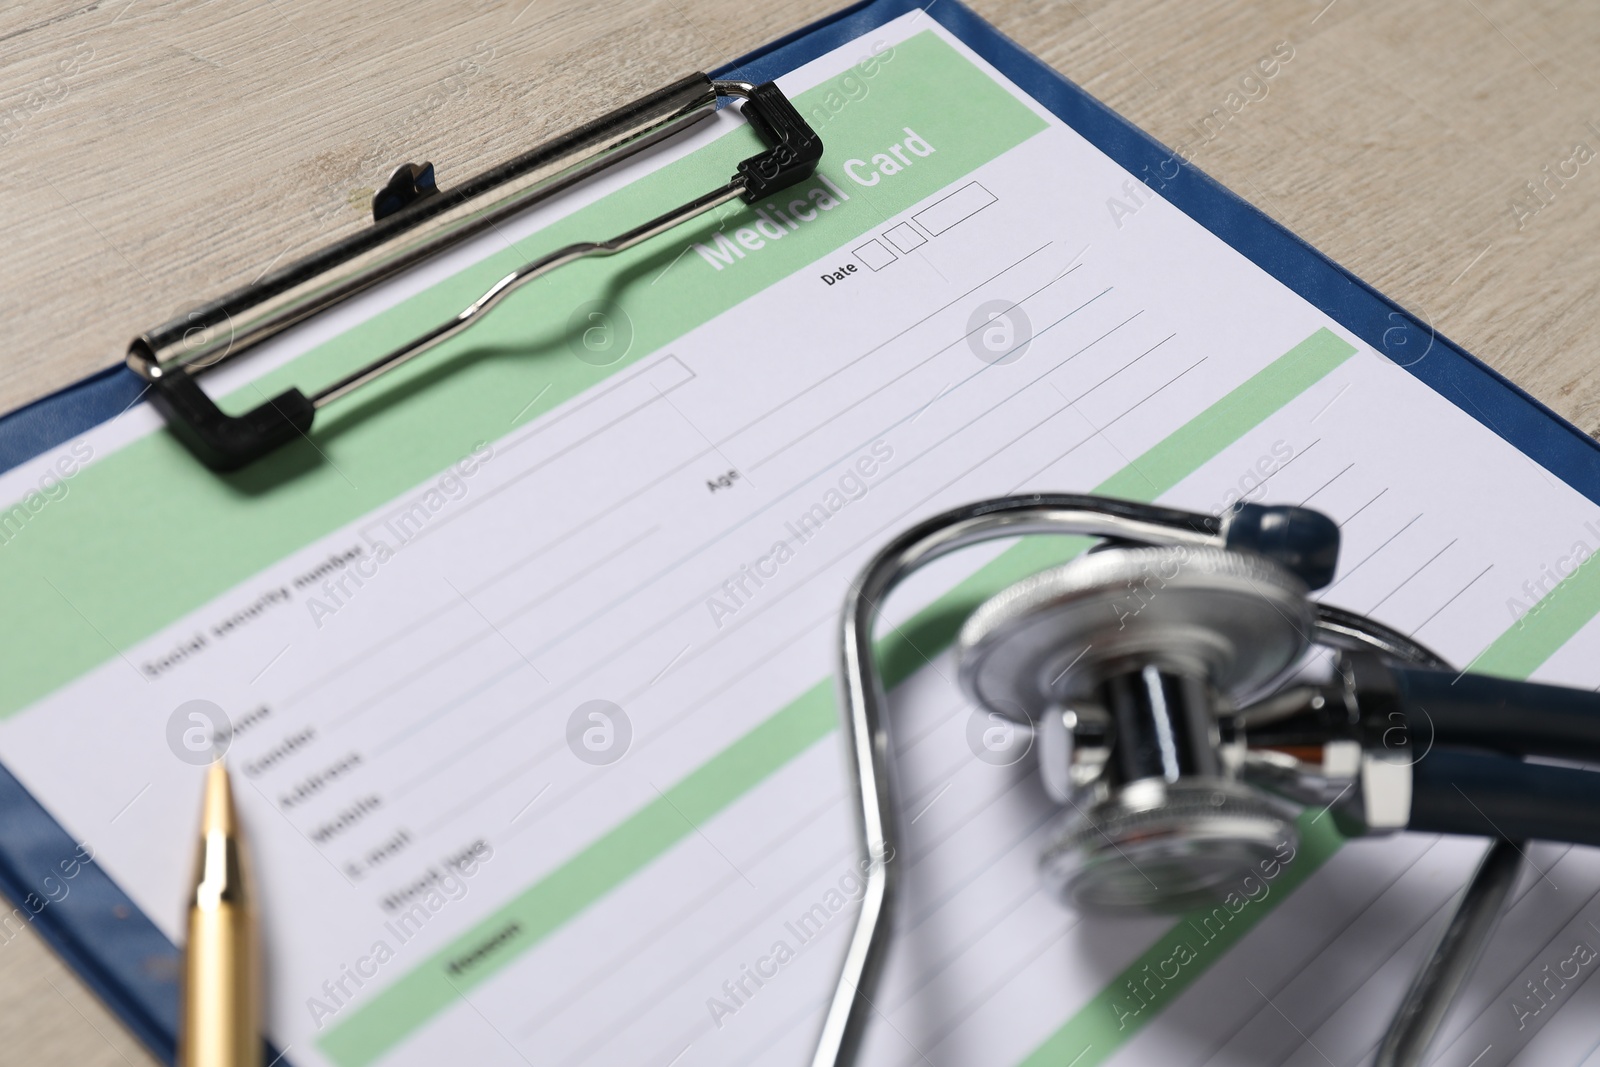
(415, 220)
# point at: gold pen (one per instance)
(220, 1024)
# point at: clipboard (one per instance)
(132, 966)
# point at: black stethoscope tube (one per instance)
(1517, 718)
(1455, 791)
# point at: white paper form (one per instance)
(537, 750)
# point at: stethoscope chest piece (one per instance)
(1125, 662)
(1166, 846)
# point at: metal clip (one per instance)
(414, 220)
(409, 183)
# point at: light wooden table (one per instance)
(157, 151)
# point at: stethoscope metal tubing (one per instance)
(864, 699)
(1435, 986)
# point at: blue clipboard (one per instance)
(132, 966)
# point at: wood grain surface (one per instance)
(157, 152)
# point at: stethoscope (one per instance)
(1187, 699)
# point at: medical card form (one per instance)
(528, 662)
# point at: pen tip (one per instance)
(217, 811)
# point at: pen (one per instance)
(220, 1024)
